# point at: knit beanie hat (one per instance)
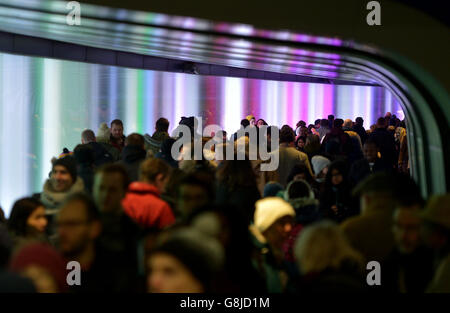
(65, 153)
(103, 133)
(271, 189)
(69, 163)
(319, 163)
(42, 255)
(250, 117)
(202, 254)
(269, 210)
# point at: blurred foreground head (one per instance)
(43, 265)
(184, 261)
(323, 246)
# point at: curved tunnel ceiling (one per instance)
(146, 40)
(234, 46)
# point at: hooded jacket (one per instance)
(145, 206)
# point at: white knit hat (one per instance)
(269, 210)
(103, 133)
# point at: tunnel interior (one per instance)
(173, 66)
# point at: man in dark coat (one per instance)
(385, 141)
(359, 129)
(370, 164)
(133, 155)
(101, 154)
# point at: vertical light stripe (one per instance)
(15, 133)
(388, 101)
(113, 73)
(149, 103)
(51, 121)
(296, 101)
(328, 101)
(368, 119)
(94, 97)
(357, 106)
(320, 103)
(130, 101)
(176, 94)
(233, 104)
(312, 103)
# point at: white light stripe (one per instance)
(14, 132)
(130, 101)
(51, 121)
(233, 104)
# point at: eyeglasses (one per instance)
(70, 224)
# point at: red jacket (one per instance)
(144, 205)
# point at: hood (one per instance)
(143, 188)
(299, 203)
(160, 136)
(132, 154)
(52, 199)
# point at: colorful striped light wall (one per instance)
(45, 104)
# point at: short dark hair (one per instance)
(301, 123)
(162, 124)
(300, 168)
(88, 135)
(92, 212)
(135, 139)
(317, 122)
(245, 122)
(359, 120)
(381, 122)
(21, 211)
(115, 168)
(287, 134)
(331, 117)
(337, 123)
(117, 122)
(264, 122)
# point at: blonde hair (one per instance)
(322, 246)
(401, 133)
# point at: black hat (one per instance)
(69, 163)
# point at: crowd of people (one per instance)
(136, 219)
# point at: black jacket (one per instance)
(386, 143)
(341, 197)
(361, 169)
(86, 172)
(132, 156)
(416, 269)
(101, 154)
(361, 132)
